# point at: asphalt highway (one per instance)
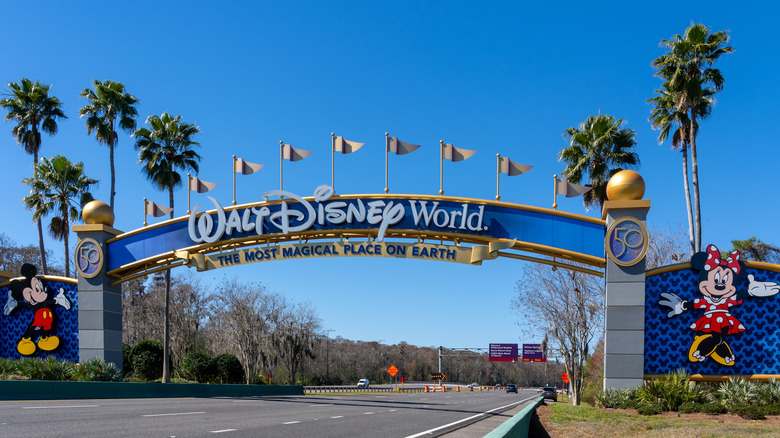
(365, 415)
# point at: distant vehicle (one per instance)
(473, 385)
(363, 384)
(550, 392)
(511, 388)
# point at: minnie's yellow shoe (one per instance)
(49, 343)
(694, 355)
(727, 358)
(26, 347)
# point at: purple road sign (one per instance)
(503, 352)
(533, 353)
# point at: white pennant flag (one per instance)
(201, 186)
(294, 154)
(400, 147)
(511, 168)
(563, 187)
(157, 210)
(245, 167)
(345, 146)
(456, 154)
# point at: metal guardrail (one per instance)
(343, 388)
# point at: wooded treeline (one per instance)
(270, 334)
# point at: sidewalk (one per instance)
(483, 427)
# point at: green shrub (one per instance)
(669, 392)
(749, 412)
(199, 367)
(614, 398)
(738, 392)
(96, 370)
(50, 368)
(229, 369)
(773, 409)
(147, 360)
(127, 359)
(651, 409)
(689, 408)
(713, 408)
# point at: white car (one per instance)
(363, 384)
(473, 385)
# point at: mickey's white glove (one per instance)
(673, 302)
(9, 305)
(762, 288)
(62, 300)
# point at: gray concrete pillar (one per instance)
(100, 304)
(626, 243)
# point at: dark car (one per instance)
(511, 388)
(550, 392)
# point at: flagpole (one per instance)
(333, 162)
(555, 192)
(234, 180)
(145, 224)
(189, 180)
(498, 173)
(441, 168)
(281, 165)
(387, 146)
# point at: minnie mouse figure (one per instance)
(32, 294)
(720, 283)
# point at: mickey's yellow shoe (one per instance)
(25, 347)
(694, 355)
(49, 343)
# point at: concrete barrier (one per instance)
(56, 390)
(517, 426)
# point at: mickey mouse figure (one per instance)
(30, 293)
(720, 284)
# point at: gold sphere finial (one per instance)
(98, 213)
(626, 185)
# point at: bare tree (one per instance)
(568, 306)
(295, 338)
(246, 316)
(190, 308)
(668, 245)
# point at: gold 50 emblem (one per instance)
(626, 241)
(89, 258)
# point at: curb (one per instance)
(518, 425)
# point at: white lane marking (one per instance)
(291, 422)
(429, 431)
(224, 430)
(338, 416)
(175, 413)
(60, 407)
(367, 413)
(316, 406)
(392, 410)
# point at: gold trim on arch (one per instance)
(46, 278)
(687, 265)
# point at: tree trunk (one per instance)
(695, 171)
(40, 227)
(113, 175)
(166, 377)
(67, 251)
(688, 204)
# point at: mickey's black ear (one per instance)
(698, 260)
(28, 270)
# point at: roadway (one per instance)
(365, 415)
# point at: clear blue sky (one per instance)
(496, 77)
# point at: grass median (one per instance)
(564, 420)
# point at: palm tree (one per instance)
(600, 148)
(163, 151)
(34, 110)
(687, 67)
(667, 117)
(108, 104)
(59, 186)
